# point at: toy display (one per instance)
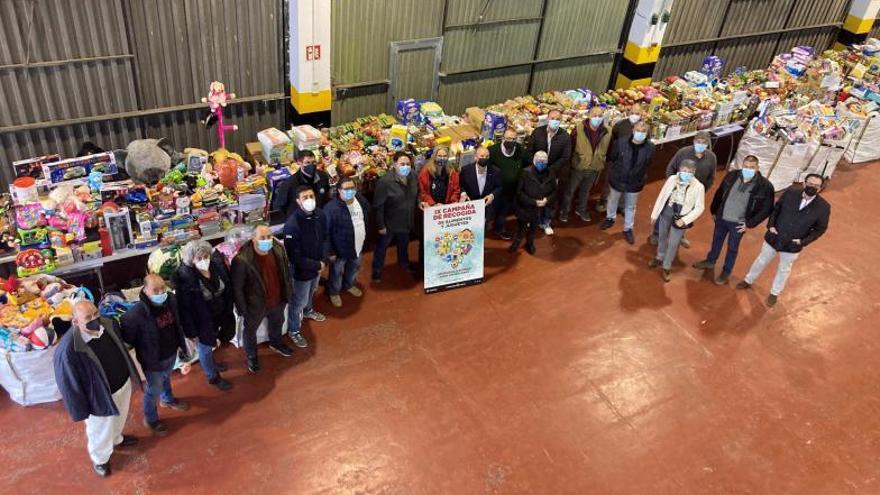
(217, 100)
(35, 311)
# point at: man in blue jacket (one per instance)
(346, 219)
(627, 169)
(305, 243)
(94, 374)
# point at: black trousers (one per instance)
(274, 321)
(529, 229)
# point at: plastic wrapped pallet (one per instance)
(29, 377)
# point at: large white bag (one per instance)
(29, 377)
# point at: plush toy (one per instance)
(148, 160)
(217, 99)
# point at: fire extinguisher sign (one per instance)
(313, 52)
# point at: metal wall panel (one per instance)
(755, 16)
(362, 30)
(694, 20)
(358, 102)
(591, 72)
(751, 53)
(677, 60)
(812, 12)
(461, 12)
(488, 46)
(578, 27)
(482, 88)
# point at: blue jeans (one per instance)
(206, 358)
(158, 386)
(629, 207)
(343, 274)
(723, 228)
(300, 303)
(402, 240)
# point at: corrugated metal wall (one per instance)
(485, 60)
(745, 32)
(85, 63)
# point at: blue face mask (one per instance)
(639, 136)
(403, 170)
(596, 121)
(264, 245)
(158, 299)
(540, 166)
(685, 176)
(553, 124)
(309, 169)
(348, 194)
(748, 174)
(700, 147)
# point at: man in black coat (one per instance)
(481, 180)
(308, 175)
(305, 241)
(627, 168)
(557, 144)
(537, 189)
(743, 201)
(799, 218)
(152, 326)
(94, 374)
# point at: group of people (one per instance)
(327, 226)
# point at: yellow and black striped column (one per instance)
(643, 43)
(858, 24)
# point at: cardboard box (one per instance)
(475, 116)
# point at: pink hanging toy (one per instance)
(217, 99)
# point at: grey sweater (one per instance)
(705, 166)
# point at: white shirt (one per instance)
(357, 222)
(481, 178)
(805, 200)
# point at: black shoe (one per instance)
(504, 236)
(771, 299)
(128, 441)
(530, 248)
(515, 244)
(377, 277)
(606, 224)
(653, 240)
(253, 365)
(722, 279)
(220, 383)
(654, 263)
(585, 217)
(102, 470)
(667, 275)
(628, 235)
(414, 268)
(563, 218)
(220, 367)
(704, 265)
(743, 285)
(158, 428)
(281, 349)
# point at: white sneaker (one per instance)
(548, 230)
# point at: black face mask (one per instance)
(811, 191)
(309, 169)
(483, 162)
(441, 162)
(93, 325)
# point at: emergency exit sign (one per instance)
(313, 52)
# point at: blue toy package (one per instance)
(493, 123)
(409, 111)
(712, 67)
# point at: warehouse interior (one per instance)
(573, 370)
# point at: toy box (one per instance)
(305, 137)
(493, 124)
(33, 167)
(79, 168)
(276, 146)
(408, 111)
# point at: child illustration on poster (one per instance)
(454, 236)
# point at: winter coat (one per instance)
(340, 231)
(628, 165)
(559, 154)
(760, 198)
(395, 203)
(305, 241)
(247, 283)
(793, 223)
(139, 330)
(81, 378)
(198, 319)
(533, 186)
(426, 183)
(694, 198)
(285, 195)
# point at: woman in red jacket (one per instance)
(438, 182)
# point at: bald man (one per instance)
(152, 326)
(262, 286)
(94, 374)
(481, 180)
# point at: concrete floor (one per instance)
(575, 371)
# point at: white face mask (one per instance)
(635, 118)
(203, 265)
(308, 205)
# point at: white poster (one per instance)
(454, 236)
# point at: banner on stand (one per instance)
(454, 236)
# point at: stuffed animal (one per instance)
(148, 160)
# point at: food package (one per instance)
(493, 124)
(408, 111)
(305, 137)
(397, 137)
(276, 146)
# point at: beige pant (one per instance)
(105, 432)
